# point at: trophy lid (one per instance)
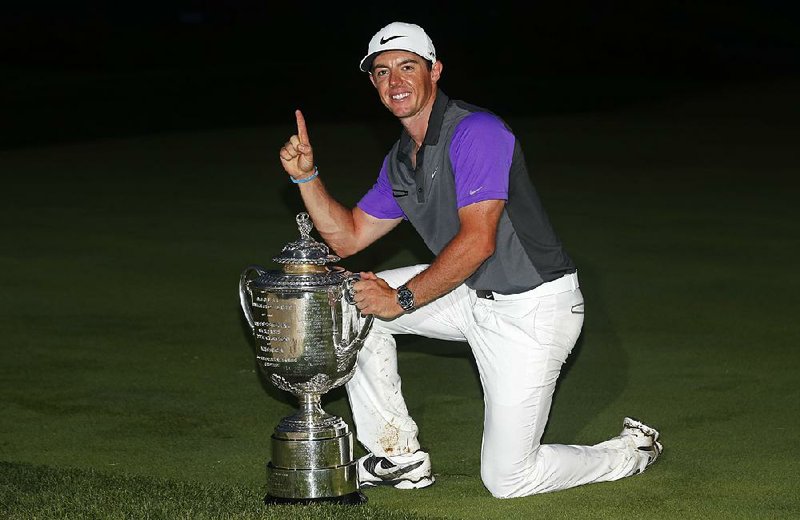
(307, 265)
(305, 250)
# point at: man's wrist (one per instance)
(405, 298)
(306, 179)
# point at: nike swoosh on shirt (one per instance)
(473, 192)
(384, 41)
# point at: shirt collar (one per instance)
(434, 123)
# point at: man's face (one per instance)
(404, 83)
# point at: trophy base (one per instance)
(312, 459)
(312, 484)
(355, 498)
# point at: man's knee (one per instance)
(511, 480)
(499, 484)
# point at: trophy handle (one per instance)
(365, 328)
(347, 288)
(244, 291)
(349, 297)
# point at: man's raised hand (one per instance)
(297, 156)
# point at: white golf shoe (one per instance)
(644, 438)
(411, 471)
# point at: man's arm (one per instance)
(346, 231)
(469, 248)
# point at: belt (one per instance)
(568, 282)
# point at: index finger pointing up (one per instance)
(302, 133)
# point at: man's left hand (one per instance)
(374, 296)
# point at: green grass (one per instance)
(33, 492)
(128, 387)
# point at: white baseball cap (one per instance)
(399, 36)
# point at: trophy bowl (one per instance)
(307, 332)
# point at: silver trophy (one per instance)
(308, 333)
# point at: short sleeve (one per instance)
(379, 201)
(481, 151)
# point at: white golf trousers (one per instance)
(520, 343)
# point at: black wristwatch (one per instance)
(405, 298)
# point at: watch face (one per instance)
(405, 298)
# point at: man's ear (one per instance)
(436, 71)
(372, 79)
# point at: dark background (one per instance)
(85, 70)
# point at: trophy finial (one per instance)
(304, 224)
(305, 250)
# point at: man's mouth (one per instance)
(399, 97)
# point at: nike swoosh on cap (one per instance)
(385, 40)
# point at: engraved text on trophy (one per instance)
(291, 327)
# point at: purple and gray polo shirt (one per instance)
(469, 155)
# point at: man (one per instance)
(501, 281)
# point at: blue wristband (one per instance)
(307, 179)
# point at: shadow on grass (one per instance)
(596, 372)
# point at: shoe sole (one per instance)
(400, 483)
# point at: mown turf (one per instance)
(38, 492)
(127, 381)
